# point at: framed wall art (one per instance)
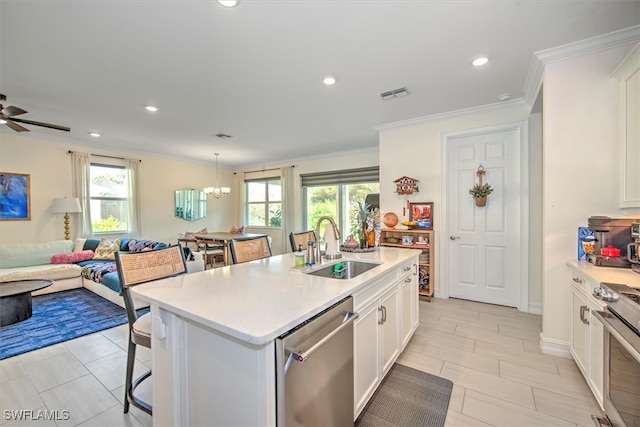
(422, 215)
(15, 197)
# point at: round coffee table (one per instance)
(15, 299)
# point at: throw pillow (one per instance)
(78, 244)
(189, 234)
(237, 230)
(72, 257)
(141, 245)
(106, 250)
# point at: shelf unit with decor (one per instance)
(415, 239)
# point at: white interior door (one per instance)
(483, 241)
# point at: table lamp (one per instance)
(66, 205)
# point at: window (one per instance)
(109, 195)
(337, 194)
(264, 202)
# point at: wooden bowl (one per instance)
(390, 219)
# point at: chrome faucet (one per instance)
(332, 249)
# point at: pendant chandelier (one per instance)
(217, 191)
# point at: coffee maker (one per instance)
(633, 249)
(614, 232)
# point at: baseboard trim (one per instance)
(555, 347)
(535, 309)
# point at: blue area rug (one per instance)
(58, 317)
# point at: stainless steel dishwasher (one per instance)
(314, 370)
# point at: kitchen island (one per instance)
(214, 332)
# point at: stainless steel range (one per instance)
(621, 322)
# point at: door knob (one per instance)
(454, 237)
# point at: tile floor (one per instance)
(489, 352)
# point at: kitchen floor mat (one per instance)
(407, 397)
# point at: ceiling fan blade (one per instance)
(46, 125)
(12, 111)
(16, 127)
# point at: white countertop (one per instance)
(260, 300)
(599, 274)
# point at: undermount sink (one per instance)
(344, 270)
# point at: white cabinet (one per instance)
(388, 316)
(587, 334)
(628, 72)
(579, 330)
(409, 304)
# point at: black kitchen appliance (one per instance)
(615, 232)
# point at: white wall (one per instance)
(415, 149)
(581, 161)
(49, 165)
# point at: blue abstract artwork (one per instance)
(14, 197)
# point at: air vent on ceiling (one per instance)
(390, 94)
(223, 136)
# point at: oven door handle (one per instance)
(625, 336)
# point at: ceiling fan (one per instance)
(7, 116)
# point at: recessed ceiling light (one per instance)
(94, 134)
(3, 122)
(329, 80)
(151, 108)
(229, 3)
(480, 61)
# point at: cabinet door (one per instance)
(596, 355)
(409, 297)
(389, 328)
(366, 357)
(579, 331)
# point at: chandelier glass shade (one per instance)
(217, 191)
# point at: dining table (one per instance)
(223, 238)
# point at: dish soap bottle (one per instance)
(311, 254)
(299, 257)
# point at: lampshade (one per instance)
(65, 205)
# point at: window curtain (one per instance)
(81, 175)
(133, 171)
(288, 210)
(241, 213)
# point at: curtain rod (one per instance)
(263, 170)
(102, 155)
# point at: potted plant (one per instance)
(480, 193)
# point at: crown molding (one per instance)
(499, 106)
(572, 50)
(533, 81)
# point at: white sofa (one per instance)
(33, 261)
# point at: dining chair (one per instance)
(302, 238)
(135, 268)
(245, 250)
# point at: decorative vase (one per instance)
(481, 201)
(371, 238)
(350, 243)
(364, 241)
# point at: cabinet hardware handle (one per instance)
(302, 355)
(454, 237)
(384, 314)
(381, 320)
(415, 271)
(583, 319)
(407, 269)
(408, 279)
(577, 280)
